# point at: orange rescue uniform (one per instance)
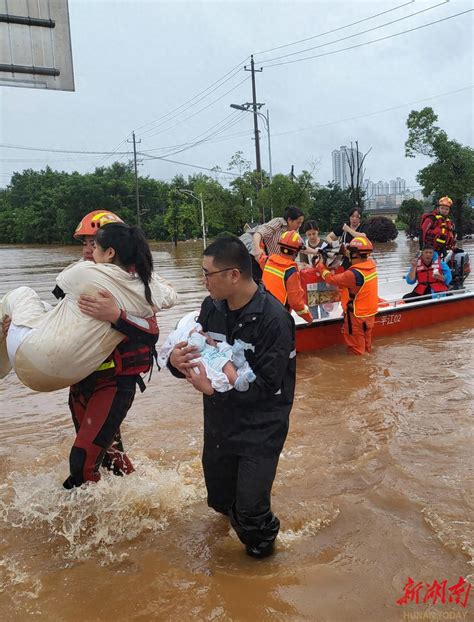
(281, 277)
(359, 298)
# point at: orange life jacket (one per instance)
(424, 276)
(273, 276)
(365, 301)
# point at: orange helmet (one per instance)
(446, 201)
(93, 221)
(291, 240)
(361, 245)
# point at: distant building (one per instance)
(341, 172)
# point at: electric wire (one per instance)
(328, 32)
(375, 112)
(353, 47)
(234, 71)
(200, 110)
(204, 168)
(357, 34)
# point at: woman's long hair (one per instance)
(131, 250)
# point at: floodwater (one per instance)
(374, 485)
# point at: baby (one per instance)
(226, 366)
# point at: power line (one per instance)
(204, 168)
(23, 147)
(178, 114)
(369, 114)
(328, 32)
(198, 111)
(204, 140)
(352, 47)
(234, 71)
(357, 34)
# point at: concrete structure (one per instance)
(340, 165)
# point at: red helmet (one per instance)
(446, 201)
(93, 221)
(361, 245)
(291, 240)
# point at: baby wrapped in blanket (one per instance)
(225, 365)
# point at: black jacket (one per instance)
(254, 422)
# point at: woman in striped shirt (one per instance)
(269, 233)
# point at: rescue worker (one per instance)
(244, 431)
(281, 275)
(437, 229)
(100, 402)
(359, 296)
(106, 309)
(430, 273)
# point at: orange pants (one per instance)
(358, 333)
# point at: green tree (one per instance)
(409, 215)
(452, 170)
(330, 206)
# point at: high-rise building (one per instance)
(341, 171)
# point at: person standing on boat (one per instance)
(244, 431)
(430, 273)
(270, 232)
(359, 296)
(311, 240)
(353, 227)
(281, 275)
(437, 229)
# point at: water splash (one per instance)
(94, 519)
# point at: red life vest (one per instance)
(424, 276)
(440, 234)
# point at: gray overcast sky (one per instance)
(137, 61)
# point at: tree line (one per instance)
(44, 207)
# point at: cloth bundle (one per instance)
(52, 349)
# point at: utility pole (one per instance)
(255, 107)
(137, 195)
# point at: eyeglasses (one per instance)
(206, 275)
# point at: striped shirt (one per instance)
(271, 232)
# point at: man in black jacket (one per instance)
(244, 432)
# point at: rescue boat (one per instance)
(392, 317)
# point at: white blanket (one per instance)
(66, 345)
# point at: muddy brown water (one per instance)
(374, 484)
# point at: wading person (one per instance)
(281, 275)
(244, 431)
(138, 331)
(359, 296)
(100, 402)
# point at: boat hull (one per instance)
(394, 319)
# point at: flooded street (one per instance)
(374, 484)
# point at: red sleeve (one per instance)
(344, 279)
(425, 227)
(296, 297)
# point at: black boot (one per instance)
(264, 549)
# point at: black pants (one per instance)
(412, 296)
(240, 486)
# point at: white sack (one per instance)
(67, 345)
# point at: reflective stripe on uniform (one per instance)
(106, 365)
